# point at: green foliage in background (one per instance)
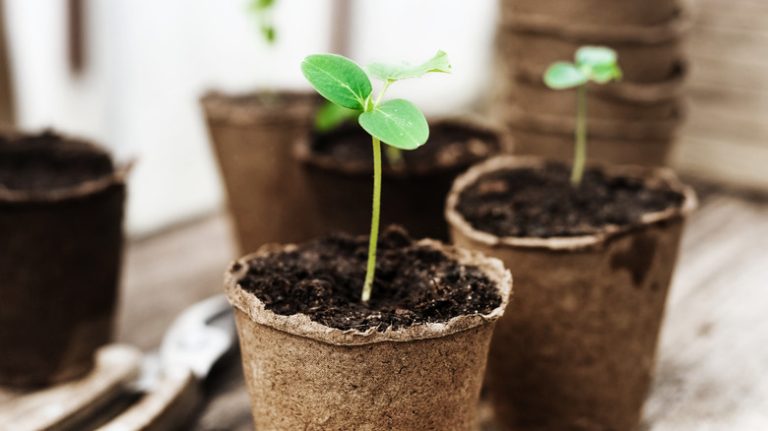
(262, 9)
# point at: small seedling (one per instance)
(397, 122)
(593, 64)
(262, 9)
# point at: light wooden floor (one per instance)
(713, 367)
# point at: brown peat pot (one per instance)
(61, 215)
(252, 136)
(615, 101)
(577, 351)
(340, 171)
(302, 374)
(595, 12)
(645, 143)
(646, 54)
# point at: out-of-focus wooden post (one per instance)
(7, 114)
(76, 35)
(340, 22)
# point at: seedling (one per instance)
(593, 64)
(262, 9)
(397, 122)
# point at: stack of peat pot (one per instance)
(631, 121)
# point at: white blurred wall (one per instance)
(148, 61)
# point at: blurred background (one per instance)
(145, 64)
(129, 74)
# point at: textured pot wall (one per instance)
(649, 38)
(536, 98)
(627, 12)
(266, 188)
(58, 284)
(302, 375)
(577, 349)
(604, 149)
(299, 383)
(532, 53)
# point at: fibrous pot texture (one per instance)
(303, 374)
(61, 213)
(578, 350)
(594, 12)
(253, 136)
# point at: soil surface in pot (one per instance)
(414, 284)
(48, 161)
(450, 145)
(528, 202)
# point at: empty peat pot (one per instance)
(611, 141)
(654, 101)
(413, 359)
(61, 215)
(252, 136)
(594, 12)
(339, 165)
(647, 54)
(592, 268)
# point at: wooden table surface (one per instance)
(712, 373)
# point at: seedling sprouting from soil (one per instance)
(397, 122)
(262, 9)
(592, 64)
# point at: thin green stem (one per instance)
(580, 150)
(370, 271)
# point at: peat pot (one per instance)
(578, 351)
(252, 136)
(646, 143)
(595, 12)
(340, 170)
(61, 215)
(616, 101)
(303, 374)
(646, 54)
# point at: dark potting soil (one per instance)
(542, 203)
(47, 161)
(450, 145)
(414, 284)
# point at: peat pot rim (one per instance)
(247, 108)
(302, 326)
(566, 243)
(626, 129)
(674, 28)
(86, 188)
(302, 150)
(640, 93)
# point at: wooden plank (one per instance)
(712, 368)
(167, 273)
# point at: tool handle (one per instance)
(167, 407)
(57, 408)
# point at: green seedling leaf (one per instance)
(331, 115)
(398, 123)
(562, 75)
(385, 72)
(595, 56)
(260, 5)
(605, 73)
(268, 31)
(338, 79)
